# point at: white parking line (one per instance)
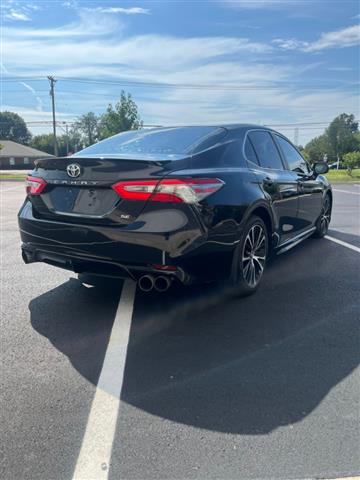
(344, 244)
(94, 458)
(2, 190)
(345, 191)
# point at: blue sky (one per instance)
(261, 61)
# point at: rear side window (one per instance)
(250, 152)
(266, 150)
(294, 159)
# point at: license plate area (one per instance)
(94, 202)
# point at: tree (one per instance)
(45, 143)
(123, 116)
(304, 153)
(75, 140)
(66, 143)
(341, 134)
(351, 161)
(13, 127)
(318, 147)
(88, 127)
(357, 141)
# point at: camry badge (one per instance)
(73, 170)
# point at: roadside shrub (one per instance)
(351, 160)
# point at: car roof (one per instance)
(227, 126)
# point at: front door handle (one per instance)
(268, 182)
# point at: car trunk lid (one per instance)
(80, 189)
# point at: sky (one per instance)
(273, 62)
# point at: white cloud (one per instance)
(260, 4)
(17, 15)
(95, 46)
(125, 11)
(33, 115)
(341, 69)
(39, 103)
(346, 37)
(88, 24)
(15, 10)
(290, 43)
(155, 53)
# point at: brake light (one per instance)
(169, 190)
(34, 185)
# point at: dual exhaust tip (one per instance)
(148, 282)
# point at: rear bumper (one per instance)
(105, 268)
(125, 251)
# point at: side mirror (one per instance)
(320, 168)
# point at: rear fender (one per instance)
(263, 210)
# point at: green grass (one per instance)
(340, 176)
(13, 176)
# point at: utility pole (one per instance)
(296, 136)
(52, 94)
(67, 139)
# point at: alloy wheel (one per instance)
(325, 216)
(254, 255)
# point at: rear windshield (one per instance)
(164, 141)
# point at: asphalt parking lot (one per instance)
(211, 386)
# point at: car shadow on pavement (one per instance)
(200, 357)
(77, 320)
(251, 365)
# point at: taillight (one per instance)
(34, 185)
(169, 190)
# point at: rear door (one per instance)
(310, 189)
(277, 182)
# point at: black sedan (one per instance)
(184, 204)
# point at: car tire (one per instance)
(322, 223)
(250, 257)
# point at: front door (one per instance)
(310, 190)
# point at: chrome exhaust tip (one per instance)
(146, 283)
(162, 283)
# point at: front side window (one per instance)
(295, 161)
(266, 150)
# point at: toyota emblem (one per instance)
(73, 170)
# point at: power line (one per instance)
(187, 85)
(180, 85)
(107, 95)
